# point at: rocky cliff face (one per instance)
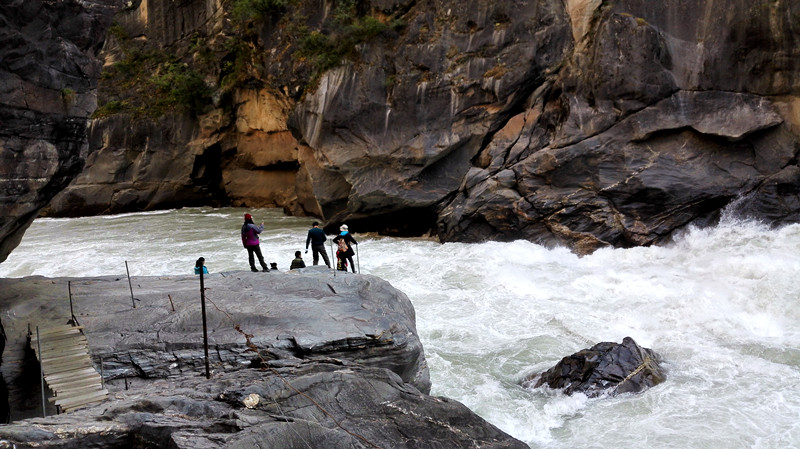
(663, 115)
(589, 123)
(48, 73)
(583, 123)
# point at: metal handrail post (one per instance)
(205, 328)
(41, 372)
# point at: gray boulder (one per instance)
(253, 318)
(605, 368)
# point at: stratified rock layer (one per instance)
(321, 404)
(251, 318)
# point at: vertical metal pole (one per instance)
(333, 260)
(205, 328)
(71, 310)
(129, 284)
(69, 290)
(41, 372)
(102, 376)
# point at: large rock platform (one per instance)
(296, 358)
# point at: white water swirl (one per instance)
(720, 305)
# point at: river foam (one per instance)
(719, 304)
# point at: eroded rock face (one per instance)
(605, 368)
(655, 117)
(659, 119)
(298, 359)
(48, 74)
(458, 72)
(319, 404)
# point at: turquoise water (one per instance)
(720, 305)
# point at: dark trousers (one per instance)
(318, 250)
(255, 249)
(341, 256)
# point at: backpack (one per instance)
(343, 245)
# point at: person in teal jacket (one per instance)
(200, 265)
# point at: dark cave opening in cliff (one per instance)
(207, 172)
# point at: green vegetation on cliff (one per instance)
(244, 11)
(339, 37)
(148, 80)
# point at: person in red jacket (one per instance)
(250, 241)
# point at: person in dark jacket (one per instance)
(345, 242)
(250, 241)
(298, 261)
(317, 238)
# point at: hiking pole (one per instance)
(71, 310)
(133, 300)
(357, 260)
(333, 262)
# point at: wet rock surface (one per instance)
(316, 404)
(298, 359)
(605, 368)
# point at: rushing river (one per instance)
(720, 305)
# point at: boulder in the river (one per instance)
(606, 367)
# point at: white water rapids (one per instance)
(720, 305)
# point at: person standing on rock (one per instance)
(345, 241)
(317, 238)
(297, 262)
(250, 242)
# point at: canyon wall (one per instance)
(581, 123)
(48, 75)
